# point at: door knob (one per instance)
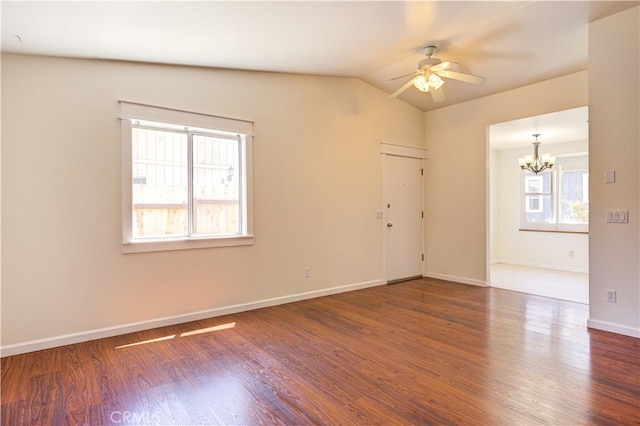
(389, 225)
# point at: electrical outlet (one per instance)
(610, 176)
(307, 272)
(611, 296)
(571, 253)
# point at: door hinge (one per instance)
(421, 172)
(422, 214)
(423, 257)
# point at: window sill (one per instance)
(560, 231)
(185, 244)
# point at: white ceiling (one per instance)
(511, 43)
(571, 125)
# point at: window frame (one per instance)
(568, 162)
(243, 129)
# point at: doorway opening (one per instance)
(538, 222)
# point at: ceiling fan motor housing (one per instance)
(429, 62)
(429, 51)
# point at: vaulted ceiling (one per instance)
(511, 43)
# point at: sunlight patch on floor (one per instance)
(185, 334)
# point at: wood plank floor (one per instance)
(418, 352)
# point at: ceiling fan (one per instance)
(428, 76)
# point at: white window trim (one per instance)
(132, 111)
(567, 161)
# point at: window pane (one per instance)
(533, 184)
(574, 196)
(537, 183)
(159, 187)
(538, 208)
(216, 186)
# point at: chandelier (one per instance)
(535, 163)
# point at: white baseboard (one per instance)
(543, 266)
(456, 279)
(68, 339)
(613, 328)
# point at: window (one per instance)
(186, 180)
(537, 191)
(558, 199)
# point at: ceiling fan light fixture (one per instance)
(435, 81)
(421, 83)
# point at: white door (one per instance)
(403, 224)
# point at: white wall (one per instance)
(614, 117)
(537, 249)
(456, 174)
(316, 192)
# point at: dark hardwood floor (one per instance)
(418, 352)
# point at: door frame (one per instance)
(398, 151)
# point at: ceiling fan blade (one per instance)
(402, 76)
(444, 66)
(438, 95)
(467, 78)
(402, 89)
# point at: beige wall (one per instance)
(614, 129)
(456, 176)
(316, 192)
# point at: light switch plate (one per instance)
(617, 216)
